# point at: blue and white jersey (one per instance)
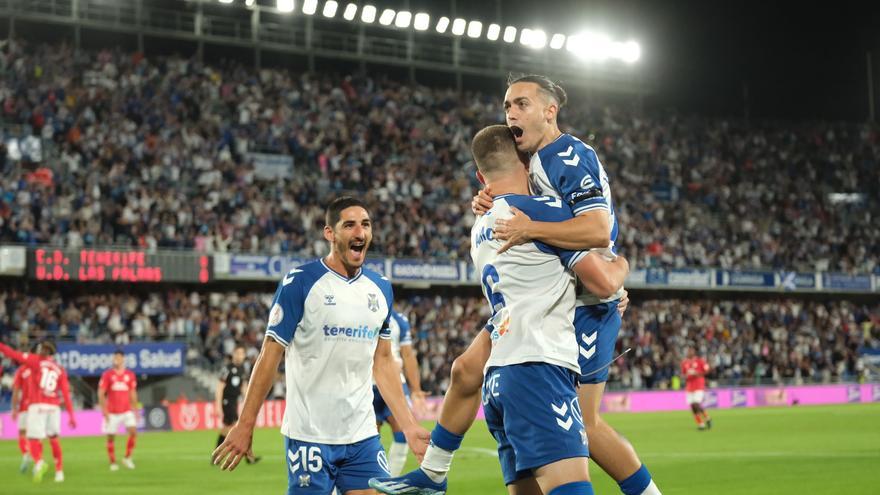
(569, 169)
(400, 334)
(330, 326)
(529, 287)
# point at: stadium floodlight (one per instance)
(226, 1)
(285, 6)
(590, 46)
(557, 41)
(525, 36)
(310, 7)
(350, 12)
(475, 29)
(442, 24)
(368, 14)
(539, 39)
(458, 26)
(403, 18)
(422, 21)
(330, 8)
(509, 34)
(630, 52)
(249, 3)
(493, 32)
(387, 17)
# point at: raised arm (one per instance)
(603, 278)
(30, 360)
(238, 442)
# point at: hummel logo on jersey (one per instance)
(373, 302)
(550, 201)
(329, 300)
(572, 162)
(362, 332)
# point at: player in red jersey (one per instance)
(117, 395)
(46, 387)
(20, 382)
(694, 370)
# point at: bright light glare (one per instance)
(330, 8)
(557, 41)
(475, 29)
(509, 34)
(442, 25)
(249, 3)
(310, 7)
(225, 1)
(539, 39)
(630, 52)
(590, 46)
(493, 32)
(368, 14)
(403, 18)
(284, 5)
(458, 26)
(421, 21)
(350, 11)
(387, 17)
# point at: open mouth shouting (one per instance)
(517, 134)
(357, 250)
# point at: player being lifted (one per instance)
(20, 401)
(233, 379)
(405, 357)
(329, 320)
(562, 167)
(117, 396)
(695, 369)
(529, 392)
(48, 384)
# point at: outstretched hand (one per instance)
(417, 438)
(514, 230)
(236, 447)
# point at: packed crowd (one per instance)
(744, 341)
(157, 152)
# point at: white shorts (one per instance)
(110, 425)
(695, 397)
(43, 420)
(22, 420)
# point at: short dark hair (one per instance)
(119, 351)
(239, 346)
(49, 346)
(545, 85)
(494, 148)
(334, 209)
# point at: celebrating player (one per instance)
(233, 379)
(562, 167)
(695, 369)
(44, 411)
(20, 397)
(329, 319)
(494, 151)
(117, 396)
(405, 357)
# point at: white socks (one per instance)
(651, 489)
(437, 463)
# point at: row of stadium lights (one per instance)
(584, 45)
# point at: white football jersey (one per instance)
(570, 170)
(529, 287)
(330, 326)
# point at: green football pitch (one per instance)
(796, 450)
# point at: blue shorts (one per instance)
(596, 327)
(383, 412)
(532, 411)
(315, 468)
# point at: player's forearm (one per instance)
(16, 395)
(134, 400)
(587, 231)
(218, 394)
(411, 371)
(12, 353)
(65, 391)
(102, 400)
(388, 381)
(262, 379)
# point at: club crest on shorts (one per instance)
(305, 480)
(373, 302)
